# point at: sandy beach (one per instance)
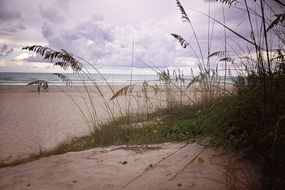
(32, 121)
(161, 166)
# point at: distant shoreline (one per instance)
(21, 79)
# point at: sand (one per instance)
(30, 122)
(164, 166)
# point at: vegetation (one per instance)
(252, 120)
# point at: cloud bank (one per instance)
(103, 32)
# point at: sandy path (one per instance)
(167, 166)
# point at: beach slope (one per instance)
(161, 166)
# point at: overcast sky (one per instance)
(102, 31)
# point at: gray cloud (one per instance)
(9, 29)
(52, 15)
(10, 20)
(95, 30)
(5, 50)
(7, 15)
(107, 42)
(109, 46)
(64, 5)
(57, 12)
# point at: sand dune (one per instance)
(162, 166)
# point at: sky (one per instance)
(103, 31)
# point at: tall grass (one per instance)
(259, 62)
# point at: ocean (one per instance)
(116, 79)
(113, 79)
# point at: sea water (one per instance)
(113, 79)
(116, 79)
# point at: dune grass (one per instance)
(175, 124)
